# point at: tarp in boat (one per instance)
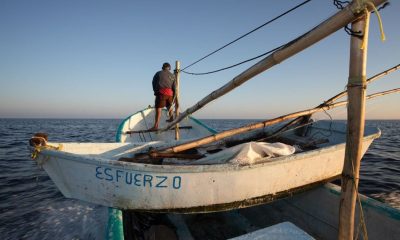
(247, 153)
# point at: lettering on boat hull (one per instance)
(137, 179)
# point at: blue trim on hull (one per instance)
(368, 202)
(203, 125)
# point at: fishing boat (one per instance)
(229, 174)
(309, 211)
(92, 172)
(186, 167)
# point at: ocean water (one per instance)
(31, 207)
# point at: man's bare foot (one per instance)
(153, 129)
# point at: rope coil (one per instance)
(39, 142)
(383, 38)
(360, 6)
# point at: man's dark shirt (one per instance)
(163, 79)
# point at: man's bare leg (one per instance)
(170, 114)
(156, 119)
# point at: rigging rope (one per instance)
(362, 224)
(244, 35)
(235, 65)
(340, 5)
(38, 148)
(270, 51)
(383, 38)
(337, 3)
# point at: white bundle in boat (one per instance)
(248, 153)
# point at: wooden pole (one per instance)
(356, 89)
(177, 77)
(329, 26)
(395, 90)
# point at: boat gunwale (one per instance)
(122, 124)
(370, 202)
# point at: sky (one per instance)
(97, 58)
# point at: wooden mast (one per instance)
(177, 77)
(350, 13)
(356, 89)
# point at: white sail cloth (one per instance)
(248, 153)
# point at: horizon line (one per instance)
(106, 118)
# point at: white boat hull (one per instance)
(192, 188)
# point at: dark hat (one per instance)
(166, 65)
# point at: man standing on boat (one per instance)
(164, 84)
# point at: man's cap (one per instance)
(166, 65)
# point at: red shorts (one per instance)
(163, 101)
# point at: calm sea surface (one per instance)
(31, 207)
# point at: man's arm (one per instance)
(174, 90)
(174, 85)
(155, 85)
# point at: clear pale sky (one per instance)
(96, 58)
